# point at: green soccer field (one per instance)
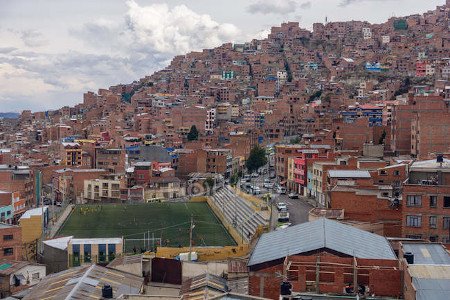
(168, 221)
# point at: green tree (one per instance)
(208, 184)
(193, 134)
(256, 159)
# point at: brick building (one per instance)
(11, 242)
(112, 160)
(323, 256)
(426, 201)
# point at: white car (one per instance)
(283, 226)
(293, 196)
(268, 185)
(281, 206)
(256, 190)
(255, 175)
(281, 190)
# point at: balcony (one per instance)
(299, 172)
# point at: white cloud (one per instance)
(33, 38)
(281, 7)
(177, 30)
(110, 53)
(350, 2)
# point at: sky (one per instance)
(52, 51)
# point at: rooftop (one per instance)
(34, 212)
(348, 174)
(430, 165)
(322, 233)
(85, 282)
(427, 253)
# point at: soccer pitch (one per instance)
(169, 222)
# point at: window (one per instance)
(446, 201)
(396, 173)
(413, 221)
(433, 201)
(446, 222)
(433, 221)
(8, 251)
(8, 237)
(35, 276)
(413, 200)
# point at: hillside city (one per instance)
(305, 165)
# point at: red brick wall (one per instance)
(15, 243)
(368, 208)
(336, 272)
(425, 211)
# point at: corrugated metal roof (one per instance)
(322, 233)
(348, 174)
(431, 289)
(430, 271)
(428, 253)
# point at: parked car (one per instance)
(255, 175)
(247, 178)
(281, 190)
(293, 196)
(256, 190)
(268, 185)
(283, 226)
(281, 206)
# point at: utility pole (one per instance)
(355, 276)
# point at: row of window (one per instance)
(433, 238)
(416, 200)
(416, 221)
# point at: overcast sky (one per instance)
(51, 51)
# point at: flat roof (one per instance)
(348, 174)
(427, 253)
(96, 241)
(34, 212)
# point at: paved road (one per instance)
(298, 208)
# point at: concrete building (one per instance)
(16, 276)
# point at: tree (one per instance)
(193, 134)
(208, 184)
(256, 159)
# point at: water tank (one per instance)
(107, 291)
(285, 288)
(409, 257)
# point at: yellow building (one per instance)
(72, 154)
(33, 222)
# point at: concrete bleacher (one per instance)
(238, 212)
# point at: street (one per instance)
(298, 208)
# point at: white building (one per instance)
(367, 33)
